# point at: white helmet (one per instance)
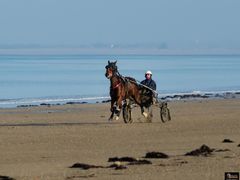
(148, 72)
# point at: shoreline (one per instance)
(196, 95)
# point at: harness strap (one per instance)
(117, 85)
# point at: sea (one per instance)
(59, 79)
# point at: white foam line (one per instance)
(11, 102)
(47, 100)
(198, 92)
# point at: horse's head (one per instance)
(111, 69)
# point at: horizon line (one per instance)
(117, 50)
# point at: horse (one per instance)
(124, 89)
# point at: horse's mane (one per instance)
(131, 79)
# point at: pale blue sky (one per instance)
(179, 23)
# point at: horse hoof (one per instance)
(145, 114)
(149, 120)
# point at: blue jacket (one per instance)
(149, 83)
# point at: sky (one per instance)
(177, 23)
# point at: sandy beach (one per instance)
(44, 142)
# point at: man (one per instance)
(149, 82)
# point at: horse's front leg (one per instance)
(118, 108)
(112, 109)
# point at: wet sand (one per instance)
(44, 142)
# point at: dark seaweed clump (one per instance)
(227, 141)
(122, 159)
(156, 155)
(6, 178)
(84, 166)
(204, 150)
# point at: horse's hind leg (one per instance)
(147, 115)
(150, 115)
(143, 112)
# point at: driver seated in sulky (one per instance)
(150, 83)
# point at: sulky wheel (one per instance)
(164, 112)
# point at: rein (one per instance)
(136, 82)
(124, 79)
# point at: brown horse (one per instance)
(123, 88)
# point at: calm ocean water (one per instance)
(35, 79)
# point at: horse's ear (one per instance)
(115, 62)
(108, 62)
